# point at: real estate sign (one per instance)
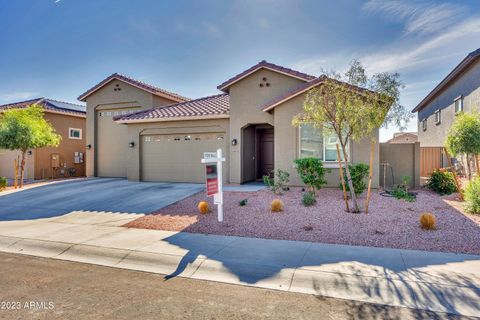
(212, 179)
(213, 169)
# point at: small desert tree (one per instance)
(464, 137)
(24, 129)
(353, 107)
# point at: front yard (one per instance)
(390, 223)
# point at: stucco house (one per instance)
(69, 121)
(458, 91)
(251, 120)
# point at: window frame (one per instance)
(458, 99)
(324, 137)
(72, 137)
(424, 124)
(438, 116)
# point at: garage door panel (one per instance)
(176, 158)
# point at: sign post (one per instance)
(213, 170)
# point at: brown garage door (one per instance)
(176, 157)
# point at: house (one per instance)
(68, 120)
(404, 137)
(458, 91)
(251, 120)
(107, 141)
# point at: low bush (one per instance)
(276, 205)
(308, 199)
(203, 207)
(427, 221)
(359, 173)
(311, 172)
(243, 203)
(442, 182)
(400, 192)
(278, 184)
(3, 183)
(472, 196)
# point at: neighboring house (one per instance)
(251, 121)
(68, 120)
(404, 137)
(108, 142)
(458, 91)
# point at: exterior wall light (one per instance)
(234, 142)
(131, 144)
(89, 146)
(29, 152)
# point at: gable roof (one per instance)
(454, 74)
(267, 65)
(49, 105)
(136, 83)
(211, 107)
(304, 87)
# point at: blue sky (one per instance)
(58, 49)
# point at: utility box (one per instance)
(55, 160)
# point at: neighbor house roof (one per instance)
(454, 74)
(212, 107)
(304, 87)
(49, 105)
(136, 83)
(266, 65)
(404, 137)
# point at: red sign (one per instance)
(212, 179)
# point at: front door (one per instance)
(265, 151)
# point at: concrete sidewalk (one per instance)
(433, 281)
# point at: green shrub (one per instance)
(400, 192)
(312, 172)
(472, 196)
(442, 182)
(3, 183)
(308, 199)
(359, 173)
(243, 203)
(279, 183)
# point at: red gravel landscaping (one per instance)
(390, 223)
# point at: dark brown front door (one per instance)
(265, 153)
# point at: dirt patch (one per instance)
(391, 223)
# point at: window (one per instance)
(424, 124)
(74, 133)
(458, 104)
(438, 117)
(314, 144)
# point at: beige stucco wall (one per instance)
(403, 159)
(7, 167)
(468, 85)
(115, 146)
(135, 131)
(287, 145)
(246, 96)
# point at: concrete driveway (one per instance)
(96, 194)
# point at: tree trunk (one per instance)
(22, 169)
(355, 208)
(469, 168)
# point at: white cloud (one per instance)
(454, 41)
(422, 17)
(17, 96)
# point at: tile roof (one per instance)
(48, 105)
(139, 84)
(303, 88)
(213, 106)
(463, 65)
(264, 64)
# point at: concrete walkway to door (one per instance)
(441, 282)
(95, 194)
